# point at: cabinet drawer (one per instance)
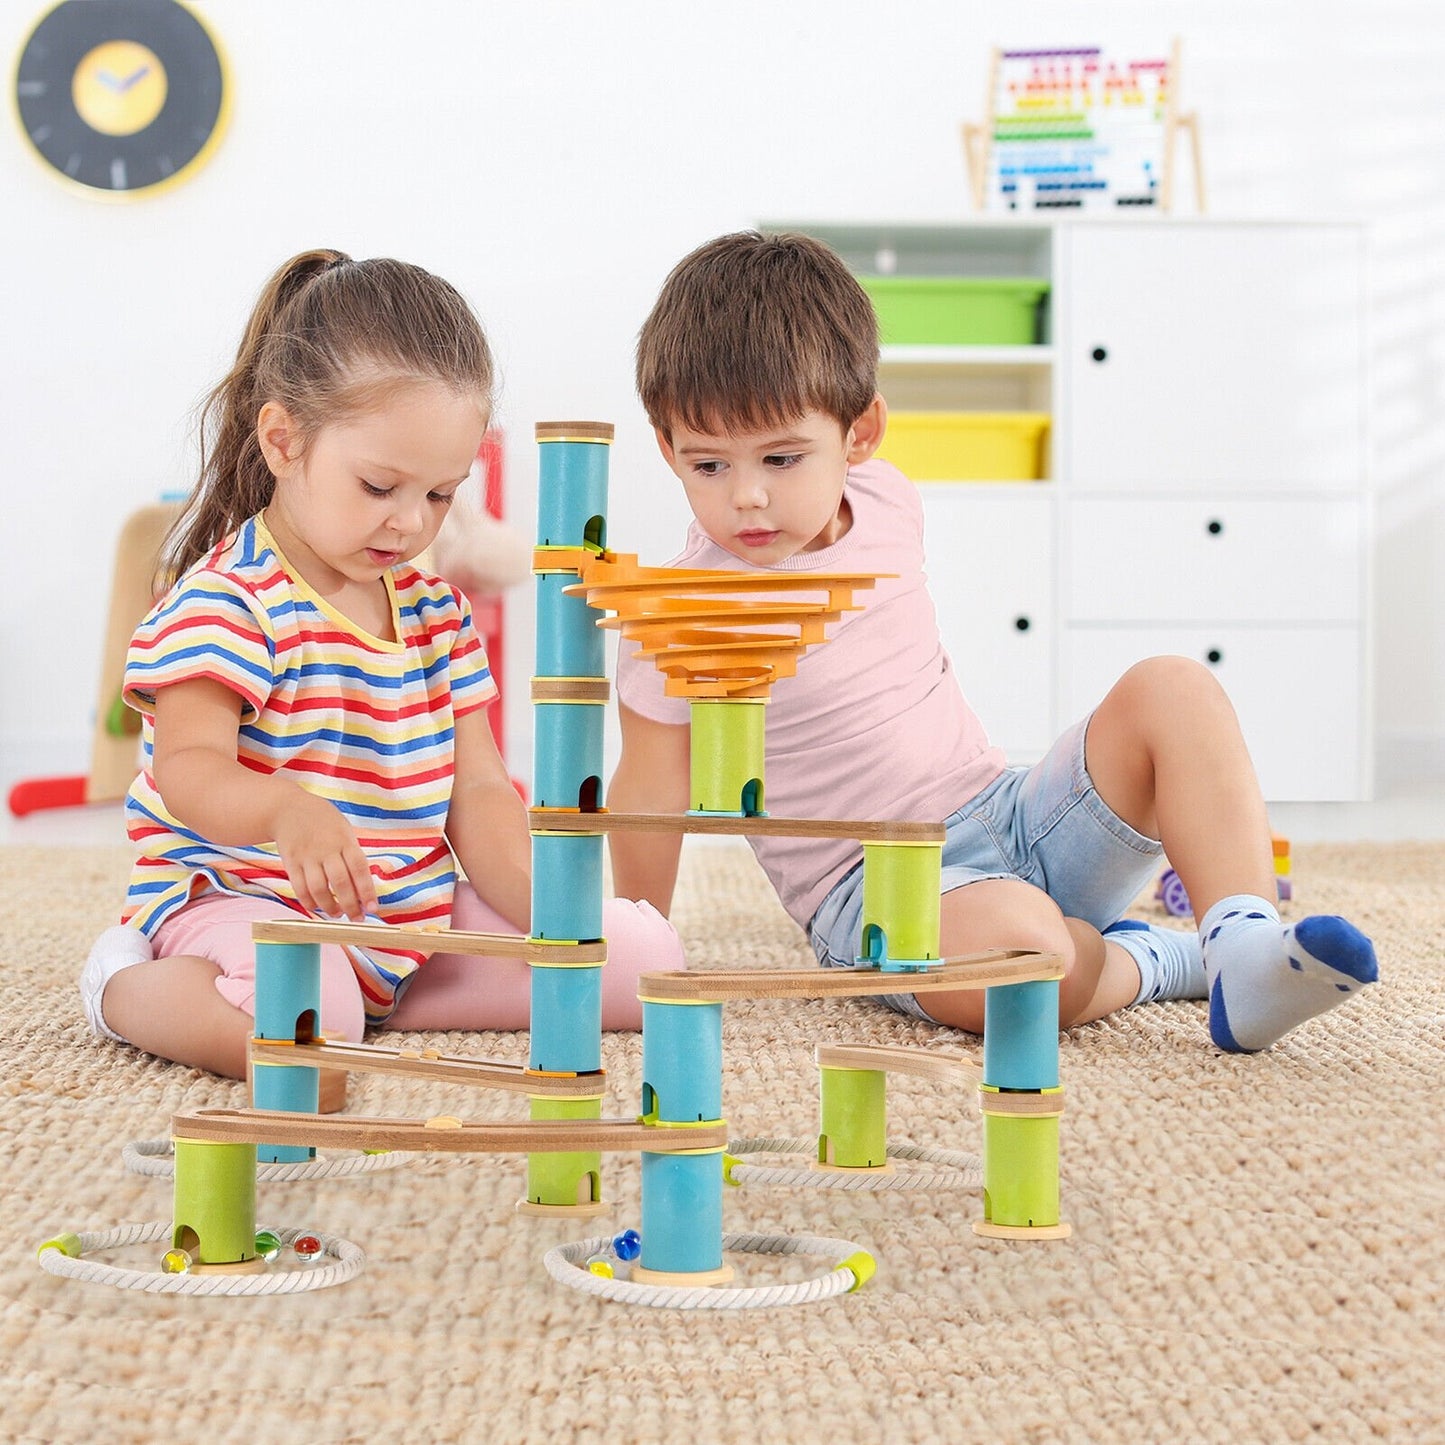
(990, 570)
(1226, 559)
(1298, 691)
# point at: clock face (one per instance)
(121, 96)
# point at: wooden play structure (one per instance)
(722, 640)
(1080, 128)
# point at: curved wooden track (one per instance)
(442, 1135)
(978, 970)
(429, 940)
(424, 1064)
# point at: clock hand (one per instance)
(139, 74)
(110, 82)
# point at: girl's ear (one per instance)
(865, 436)
(279, 437)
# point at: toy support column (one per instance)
(852, 1118)
(288, 1011)
(1021, 1102)
(569, 696)
(214, 1214)
(682, 1190)
(902, 889)
(727, 756)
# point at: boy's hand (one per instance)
(323, 860)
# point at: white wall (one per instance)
(554, 159)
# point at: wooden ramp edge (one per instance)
(389, 937)
(558, 820)
(443, 1134)
(979, 970)
(893, 1059)
(428, 1064)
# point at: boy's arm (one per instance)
(652, 777)
(487, 823)
(203, 785)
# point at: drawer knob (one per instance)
(1215, 526)
(1022, 624)
(1100, 353)
(1214, 656)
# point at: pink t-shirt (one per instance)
(874, 727)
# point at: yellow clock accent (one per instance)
(122, 97)
(119, 88)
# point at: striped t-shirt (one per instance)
(364, 723)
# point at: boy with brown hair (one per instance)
(757, 368)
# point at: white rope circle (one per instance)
(348, 1257)
(567, 1265)
(957, 1171)
(157, 1157)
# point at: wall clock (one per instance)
(121, 97)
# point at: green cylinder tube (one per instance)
(902, 885)
(215, 1201)
(727, 756)
(853, 1119)
(565, 1179)
(1020, 1169)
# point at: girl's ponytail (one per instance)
(235, 482)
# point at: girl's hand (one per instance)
(323, 860)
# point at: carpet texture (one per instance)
(1257, 1250)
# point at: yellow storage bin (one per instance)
(967, 446)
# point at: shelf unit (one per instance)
(1205, 486)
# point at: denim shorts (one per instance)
(1046, 825)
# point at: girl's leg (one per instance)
(450, 991)
(1165, 752)
(195, 1003)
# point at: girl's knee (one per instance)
(639, 940)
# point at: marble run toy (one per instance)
(722, 644)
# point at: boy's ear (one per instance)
(664, 445)
(279, 436)
(865, 436)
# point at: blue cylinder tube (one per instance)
(1021, 1035)
(682, 1062)
(569, 642)
(567, 886)
(567, 753)
(566, 1034)
(571, 493)
(682, 1212)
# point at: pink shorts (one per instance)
(449, 991)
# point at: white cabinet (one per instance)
(990, 552)
(1206, 484)
(1212, 357)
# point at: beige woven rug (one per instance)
(1257, 1252)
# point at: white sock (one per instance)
(115, 949)
(1169, 960)
(1264, 979)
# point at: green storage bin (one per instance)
(956, 310)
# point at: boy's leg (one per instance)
(1165, 752)
(1009, 913)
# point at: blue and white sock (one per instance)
(1169, 959)
(1264, 979)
